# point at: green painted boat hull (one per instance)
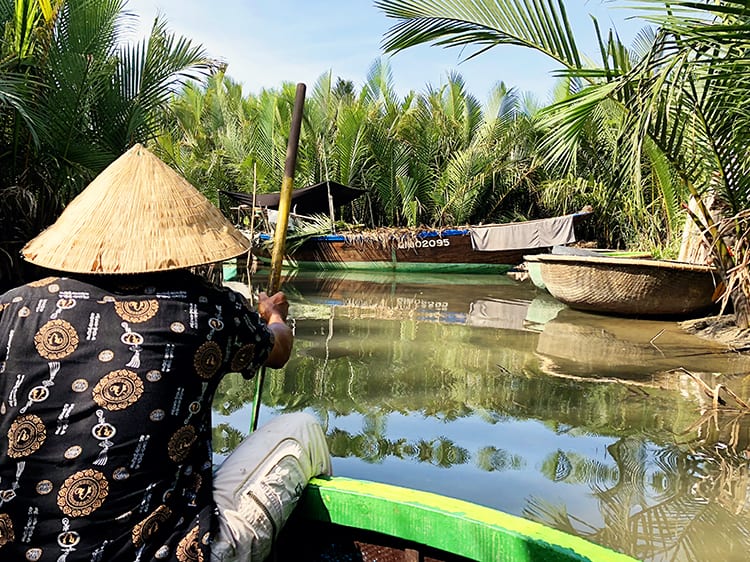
(394, 266)
(452, 526)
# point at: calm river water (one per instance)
(485, 389)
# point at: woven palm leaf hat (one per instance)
(137, 216)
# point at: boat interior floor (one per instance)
(310, 541)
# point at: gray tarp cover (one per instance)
(540, 233)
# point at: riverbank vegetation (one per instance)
(649, 128)
(438, 157)
(675, 104)
(73, 97)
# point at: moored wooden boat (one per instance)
(348, 519)
(629, 287)
(438, 251)
(487, 248)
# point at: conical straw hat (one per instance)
(137, 216)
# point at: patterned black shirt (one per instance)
(105, 415)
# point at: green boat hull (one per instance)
(395, 266)
(461, 530)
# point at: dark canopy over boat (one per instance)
(306, 201)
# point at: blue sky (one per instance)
(267, 42)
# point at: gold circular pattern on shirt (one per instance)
(6, 529)
(106, 355)
(131, 338)
(118, 390)
(103, 431)
(207, 359)
(137, 311)
(68, 539)
(25, 436)
(39, 393)
(147, 528)
(73, 452)
(82, 493)
(179, 444)
(56, 339)
(243, 357)
(189, 549)
(79, 385)
(65, 304)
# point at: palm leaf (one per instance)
(542, 25)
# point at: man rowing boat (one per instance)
(108, 366)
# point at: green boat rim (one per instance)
(448, 524)
(406, 267)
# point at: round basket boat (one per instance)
(630, 287)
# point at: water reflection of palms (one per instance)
(699, 494)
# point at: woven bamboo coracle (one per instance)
(137, 216)
(630, 287)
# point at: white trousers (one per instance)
(258, 485)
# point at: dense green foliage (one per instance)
(636, 135)
(73, 97)
(437, 158)
(441, 157)
(672, 113)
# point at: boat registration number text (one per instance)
(430, 243)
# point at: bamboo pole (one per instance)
(285, 197)
(279, 238)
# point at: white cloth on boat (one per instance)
(258, 485)
(498, 313)
(273, 218)
(539, 233)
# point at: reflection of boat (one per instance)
(346, 519)
(596, 346)
(541, 310)
(630, 287)
(446, 299)
(476, 249)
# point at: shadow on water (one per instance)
(481, 388)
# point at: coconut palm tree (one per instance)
(566, 175)
(698, 100)
(209, 137)
(493, 176)
(73, 97)
(438, 157)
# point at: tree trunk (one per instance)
(741, 305)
